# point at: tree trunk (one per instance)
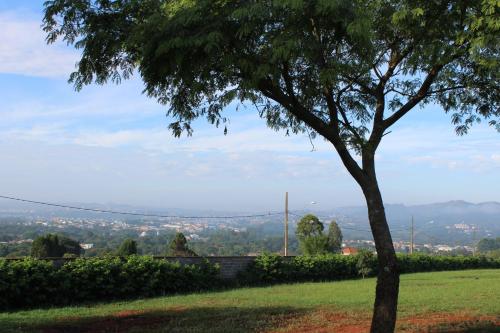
(386, 297)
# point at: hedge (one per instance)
(32, 282)
(270, 268)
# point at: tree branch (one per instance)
(330, 133)
(421, 94)
(438, 91)
(347, 124)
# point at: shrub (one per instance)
(365, 263)
(28, 282)
(270, 268)
(31, 282)
(266, 268)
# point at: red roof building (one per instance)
(348, 251)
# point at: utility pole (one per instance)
(286, 224)
(412, 242)
(474, 240)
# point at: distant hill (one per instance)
(457, 221)
(484, 215)
(434, 221)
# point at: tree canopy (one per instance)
(332, 66)
(313, 241)
(344, 70)
(52, 245)
(334, 237)
(488, 244)
(178, 247)
(127, 247)
(309, 226)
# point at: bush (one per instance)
(28, 282)
(31, 282)
(34, 282)
(271, 268)
(425, 263)
(365, 263)
(265, 269)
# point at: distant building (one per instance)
(348, 251)
(87, 246)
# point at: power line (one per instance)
(136, 214)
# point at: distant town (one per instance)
(256, 235)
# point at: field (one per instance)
(460, 301)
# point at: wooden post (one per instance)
(474, 240)
(412, 242)
(286, 224)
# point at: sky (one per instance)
(111, 144)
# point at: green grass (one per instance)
(473, 293)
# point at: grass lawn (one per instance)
(461, 301)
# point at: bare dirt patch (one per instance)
(324, 321)
(448, 323)
(318, 321)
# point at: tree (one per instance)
(127, 248)
(488, 244)
(364, 264)
(344, 70)
(178, 247)
(52, 245)
(334, 238)
(309, 226)
(3, 250)
(71, 247)
(309, 232)
(314, 245)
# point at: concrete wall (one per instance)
(229, 266)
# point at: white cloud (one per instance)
(23, 49)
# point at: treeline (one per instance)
(310, 240)
(58, 246)
(106, 241)
(32, 282)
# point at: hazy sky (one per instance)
(111, 144)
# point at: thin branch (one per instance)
(347, 124)
(377, 72)
(421, 94)
(397, 92)
(310, 140)
(438, 91)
